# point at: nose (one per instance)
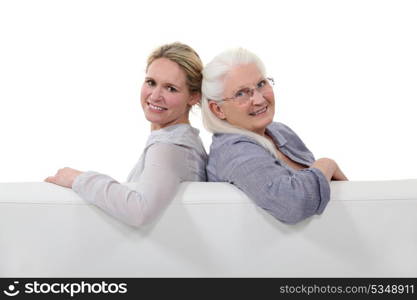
(156, 94)
(257, 98)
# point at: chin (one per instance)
(153, 118)
(265, 122)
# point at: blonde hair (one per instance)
(186, 57)
(212, 89)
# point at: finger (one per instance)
(50, 179)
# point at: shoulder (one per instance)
(182, 135)
(186, 163)
(166, 152)
(234, 153)
(226, 141)
(229, 148)
(229, 139)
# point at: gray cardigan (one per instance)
(287, 194)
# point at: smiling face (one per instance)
(165, 96)
(256, 113)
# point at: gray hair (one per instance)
(212, 89)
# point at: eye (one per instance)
(150, 82)
(172, 89)
(261, 84)
(242, 93)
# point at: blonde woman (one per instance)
(174, 152)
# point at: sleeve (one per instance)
(163, 169)
(289, 196)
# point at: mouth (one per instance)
(259, 111)
(156, 107)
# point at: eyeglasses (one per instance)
(245, 94)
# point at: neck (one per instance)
(262, 132)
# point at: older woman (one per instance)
(173, 152)
(265, 159)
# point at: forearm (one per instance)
(330, 169)
(164, 169)
(289, 196)
(121, 202)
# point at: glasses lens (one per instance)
(243, 95)
(267, 87)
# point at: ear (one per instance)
(216, 109)
(194, 99)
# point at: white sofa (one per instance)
(369, 229)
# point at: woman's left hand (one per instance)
(64, 177)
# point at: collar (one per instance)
(273, 131)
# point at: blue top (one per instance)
(287, 194)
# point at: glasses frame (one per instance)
(270, 80)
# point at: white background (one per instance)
(71, 71)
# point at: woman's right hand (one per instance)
(338, 175)
(64, 177)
